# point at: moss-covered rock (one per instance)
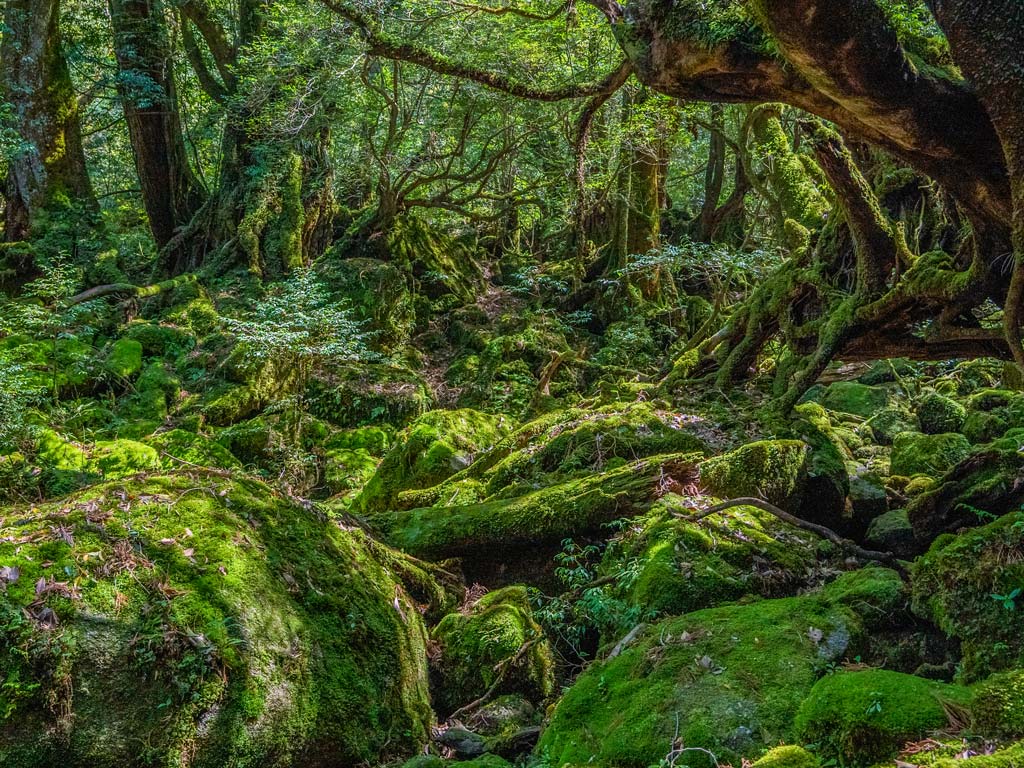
(998, 709)
(774, 470)
(197, 616)
(496, 638)
(787, 757)
(63, 366)
(676, 566)
(114, 459)
(860, 718)
(159, 340)
(937, 414)
(371, 393)
(179, 448)
(970, 585)
(378, 295)
(975, 490)
(853, 397)
(692, 679)
(983, 427)
(1010, 757)
(892, 532)
(434, 447)
(889, 422)
(124, 358)
(914, 453)
(499, 526)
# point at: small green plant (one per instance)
(876, 703)
(1009, 600)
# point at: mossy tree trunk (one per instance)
(47, 187)
(171, 192)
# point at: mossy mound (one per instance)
(975, 490)
(371, 393)
(860, 718)
(787, 757)
(1011, 757)
(124, 358)
(64, 365)
(914, 453)
(892, 532)
(179, 449)
(998, 708)
(937, 414)
(774, 470)
(970, 586)
(693, 679)
(434, 447)
(677, 566)
(494, 640)
(378, 294)
(889, 422)
(159, 340)
(543, 516)
(853, 397)
(191, 617)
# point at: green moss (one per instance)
(231, 405)
(956, 585)
(982, 427)
(367, 394)
(727, 679)
(156, 376)
(159, 340)
(891, 532)
(937, 414)
(998, 708)
(114, 459)
(859, 718)
(543, 516)
(431, 449)
(677, 566)
(347, 470)
(889, 422)
(124, 359)
(179, 449)
(853, 397)
(486, 641)
(787, 757)
(379, 295)
(914, 453)
(1011, 757)
(160, 650)
(774, 470)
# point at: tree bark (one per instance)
(47, 181)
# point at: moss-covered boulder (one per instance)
(158, 339)
(371, 393)
(937, 414)
(892, 532)
(124, 358)
(970, 585)
(692, 679)
(914, 453)
(978, 488)
(860, 718)
(998, 708)
(378, 295)
(504, 527)
(494, 640)
(983, 426)
(63, 366)
(179, 449)
(788, 756)
(1010, 757)
(774, 470)
(854, 397)
(676, 566)
(192, 617)
(114, 459)
(889, 422)
(434, 447)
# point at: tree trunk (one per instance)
(171, 193)
(47, 186)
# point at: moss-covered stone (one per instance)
(543, 516)
(998, 709)
(774, 470)
(937, 414)
(228, 406)
(431, 449)
(1011, 757)
(496, 638)
(159, 340)
(200, 619)
(124, 358)
(677, 566)
(983, 427)
(379, 296)
(358, 395)
(970, 585)
(914, 453)
(853, 397)
(787, 757)
(692, 679)
(860, 718)
(889, 422)
(892, 532)
(114, 459)
(179, 448)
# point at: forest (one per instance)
(511, 383)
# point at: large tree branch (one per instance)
(380, 44)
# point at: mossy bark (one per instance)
(48, 190)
